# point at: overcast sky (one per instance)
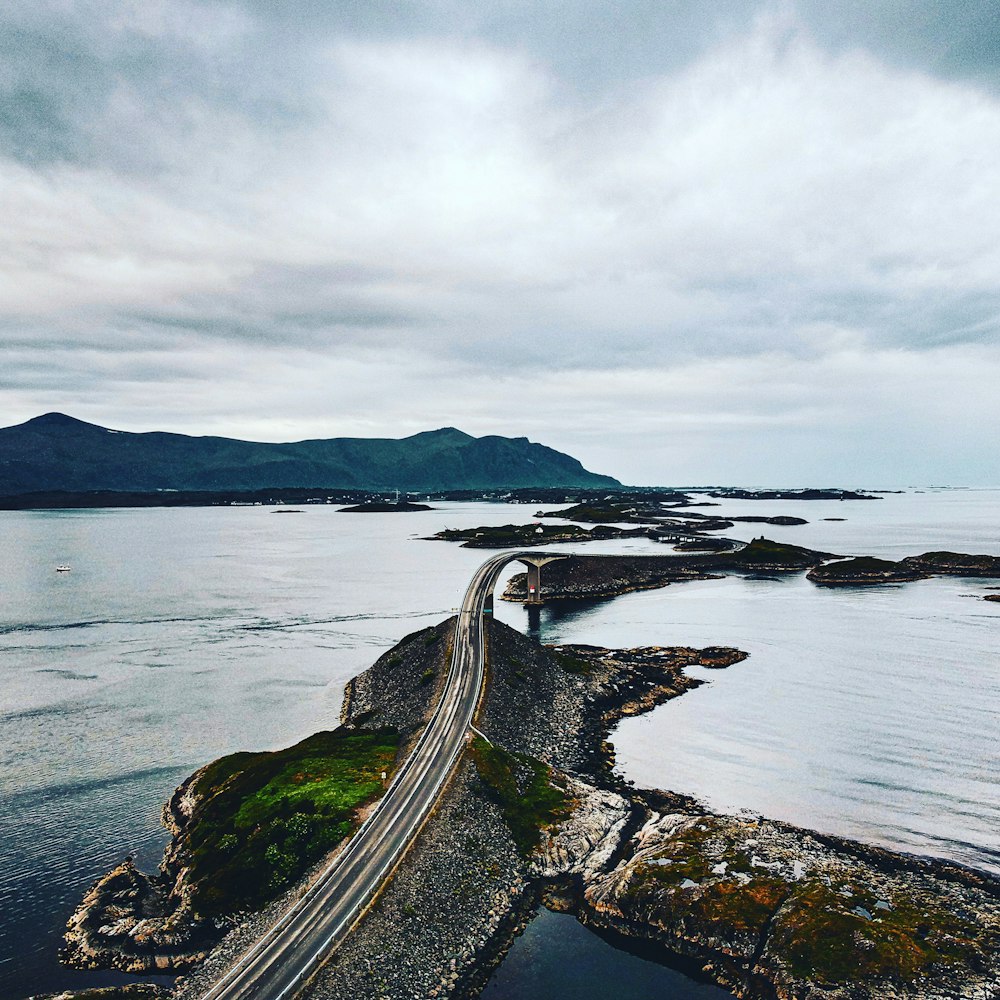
(687, 242)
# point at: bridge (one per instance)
(533, 561)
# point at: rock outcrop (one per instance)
(772, 910)
(128, 920)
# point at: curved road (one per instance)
(277, 966)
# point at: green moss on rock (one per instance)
(823, 934)
(831, 927)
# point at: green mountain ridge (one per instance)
(58, 452)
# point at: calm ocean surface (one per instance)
(184, 634)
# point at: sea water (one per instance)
(182, 634)
(868, 712)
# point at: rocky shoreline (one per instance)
(133, 991)
(763, 908)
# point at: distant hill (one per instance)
(57, 452)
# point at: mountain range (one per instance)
(59, 452)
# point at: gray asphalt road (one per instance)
(279, 964)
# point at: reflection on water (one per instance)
(533, 622)
(560, 616)
(555, 617)
(557, 957)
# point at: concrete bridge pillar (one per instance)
(534, 564)
(534, 583)
(488, 604)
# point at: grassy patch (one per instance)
(265, 818)
(522, 786)
(572, 664)
(687, 857)
(743, 908)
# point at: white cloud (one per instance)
(729, 251)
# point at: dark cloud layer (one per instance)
(755, 241)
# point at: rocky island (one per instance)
(609, 511)
(586, 577)
(643, 512)
(806, 494)
(589, 577)
(385, 507)
(690, 530)
(536, 813)
(505, 536)
(863, 571)
(866, 570)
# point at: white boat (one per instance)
(63, 569)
